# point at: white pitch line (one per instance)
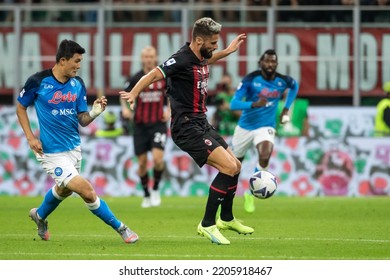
(250, 237)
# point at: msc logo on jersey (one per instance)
(67, 112)
(58, 171)
(63, 112)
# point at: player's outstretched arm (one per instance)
(153, 76)
(233, 46)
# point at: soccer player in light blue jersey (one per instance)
(258, 96)
(59, 97)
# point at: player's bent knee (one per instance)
(238, 169)
(87, 192)
(159, 164)
(232, 168)
(89, 196)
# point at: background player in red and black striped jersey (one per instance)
(150, 118)
(187, 74)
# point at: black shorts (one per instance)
(149, 136)
(196, 137)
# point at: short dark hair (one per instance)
(67, 49)
(268, 52)
(205, 27)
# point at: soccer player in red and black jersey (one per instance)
(150, 126)
(187, 74)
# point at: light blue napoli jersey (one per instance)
(253, 88)
(57, 106)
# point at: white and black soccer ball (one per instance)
(263, 184)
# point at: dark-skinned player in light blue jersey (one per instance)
(258, 96)
(60, 100)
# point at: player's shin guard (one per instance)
(49, 204)
(101, 209)
(227, 204)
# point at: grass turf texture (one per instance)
(285, 229)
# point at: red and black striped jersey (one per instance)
(150, 103)
(187, 83)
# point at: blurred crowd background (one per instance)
(229, 15)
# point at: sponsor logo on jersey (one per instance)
(63, 112)
(48, 86)
(265, 92)
(59, 97)
(202, 85)
(150, 96)
(67, 112)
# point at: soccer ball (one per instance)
(263, 184)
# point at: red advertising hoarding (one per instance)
(321, 59)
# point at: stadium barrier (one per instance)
(340, 158)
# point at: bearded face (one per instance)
(268, 65)
(209, 44)
(206, 52)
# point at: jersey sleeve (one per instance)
(239, 99)
(293, 91)
(27, 95)
(172, 66)
(82, 105)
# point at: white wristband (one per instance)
(285, 119)
(96, 110)
(93, 114)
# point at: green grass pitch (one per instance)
(286, 228)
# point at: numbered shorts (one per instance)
(147, 137)
(243, 139)
(62, 167)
